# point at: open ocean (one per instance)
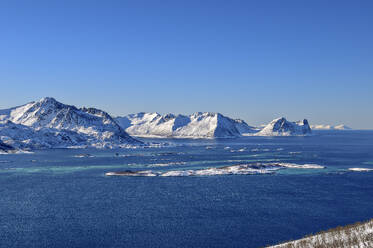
(54, 198)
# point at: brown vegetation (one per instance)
(359, 235)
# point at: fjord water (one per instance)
(53, 198)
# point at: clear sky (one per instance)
(255, 60)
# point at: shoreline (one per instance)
(359, 234)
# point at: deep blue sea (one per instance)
(52, 198)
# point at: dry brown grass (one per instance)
(359, 235)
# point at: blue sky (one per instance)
(256, 60)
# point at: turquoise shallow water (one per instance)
(53, 199)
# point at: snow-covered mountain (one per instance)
(198, 125)
(49, 123)
(282, 127)
(330, 127)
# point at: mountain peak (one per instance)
(283, 127)
(47, 100)
(89, 126)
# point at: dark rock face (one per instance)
(5, 147)
(282, 125)
(180, 121)
(225, 127)
(306, 127)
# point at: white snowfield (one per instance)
(198, 125)
(330, 127)
(48, 123)
(359, 235)
(241, 169)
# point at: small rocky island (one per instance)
(241, 169)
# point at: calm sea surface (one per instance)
(56, 198)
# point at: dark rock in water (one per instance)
(84, 155)
(6, 148)
(129, 173)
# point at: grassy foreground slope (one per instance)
(359, 235)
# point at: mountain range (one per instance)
(48, 123)
(197, 125)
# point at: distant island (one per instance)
(330, 127)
